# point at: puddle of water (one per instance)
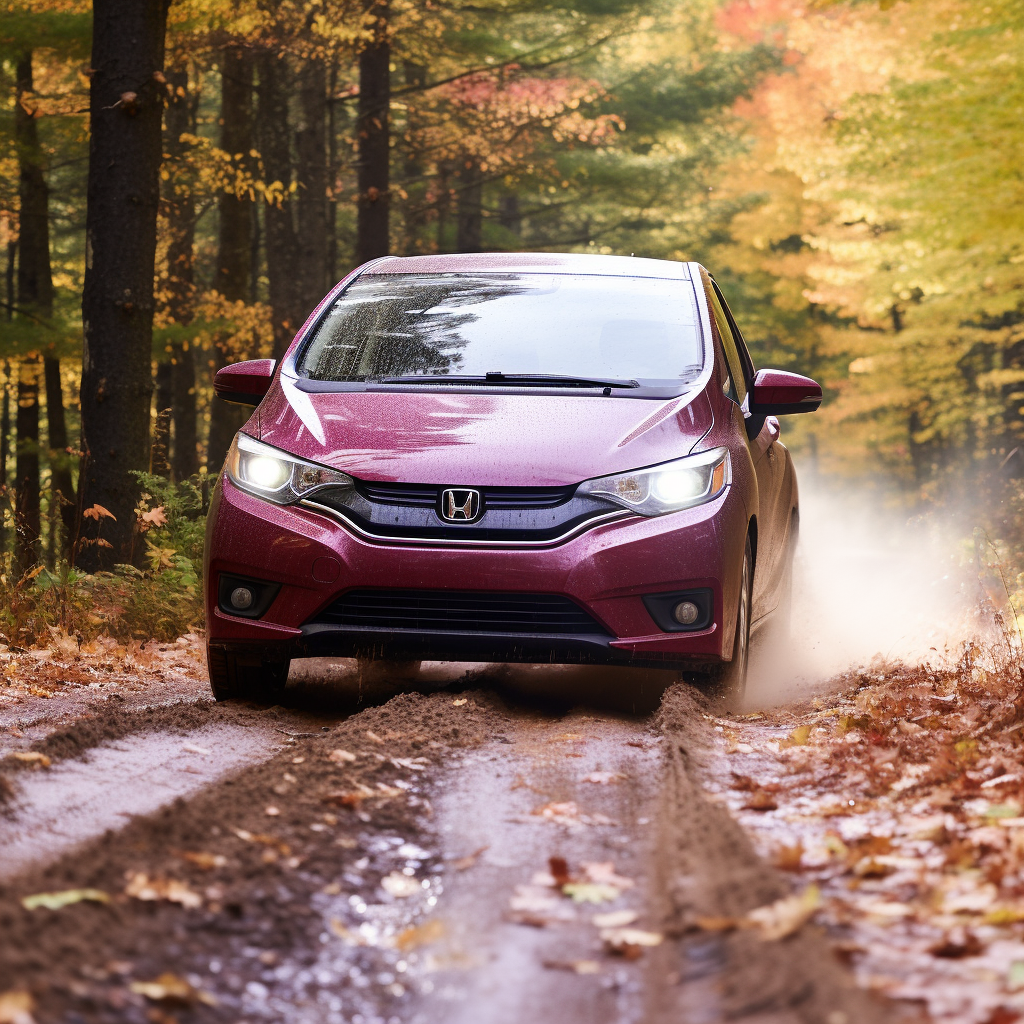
(73, 801)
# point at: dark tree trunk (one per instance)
(282, 245)
(509, 216)
(469, 210)
(231, 278)
(35, 295)
(311, 205)
(332, 174)
(160, 449)
(9, 271)
(5, 449)
(373, 136)
(62, 487)
(180, 213)
(126, 107)
(444, 202)
(238, 247)
(413, 170)
(26, 470)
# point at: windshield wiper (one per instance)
(512, 379)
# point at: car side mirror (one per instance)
(245, 383)
(779, 393)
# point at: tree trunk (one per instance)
(282, 245)
(5, 452)
(180, 213)
(125, 107)
(26, 470)
(311, 205)
(469, 208)
(231, 277)
(413, 170)
(373, 136)
(160, 449)
(61, 485)
(235, 276)
(35, 295)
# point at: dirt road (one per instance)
(496, 846)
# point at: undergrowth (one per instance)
(160, 600)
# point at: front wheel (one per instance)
(246, 675)
(729, 682)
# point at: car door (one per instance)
(761, 434)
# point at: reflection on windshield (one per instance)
(410, 325)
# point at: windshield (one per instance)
(469, 325)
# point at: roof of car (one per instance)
(530, 263)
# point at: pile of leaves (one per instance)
(900, 796)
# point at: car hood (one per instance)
(467, 438)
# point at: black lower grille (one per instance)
(460, 611)
(428, 496)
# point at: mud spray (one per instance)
(871, 585)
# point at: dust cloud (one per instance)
(870, 584)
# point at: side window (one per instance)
(735, 386)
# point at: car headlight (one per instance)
(670, 487)
(274, 475)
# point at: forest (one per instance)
(180, 183)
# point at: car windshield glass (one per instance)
(469, 325)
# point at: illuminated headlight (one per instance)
(275, 475)
(670, 487)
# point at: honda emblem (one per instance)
(460, 505)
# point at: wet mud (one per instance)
(372, 853)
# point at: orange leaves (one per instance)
(98, 512)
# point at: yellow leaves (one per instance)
(141, 887)
(65, 898)
(170, 988)
(33, 757)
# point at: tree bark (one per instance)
(27, 544)
(235, 276)
(125, 106)
(160, 448)
(35, 294)
(311, 167)
(62, 487)
(469, 208)
(231, 277)
(415, 207)
(180, 213)
(5, 449)
(373, 137)
(282, 245)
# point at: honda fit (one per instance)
(504, 457)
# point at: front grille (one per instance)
(427, 495)
(460, 612)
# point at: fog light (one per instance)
(685, 613)
(242, 598)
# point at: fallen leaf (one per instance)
(98, 512)
(206, 861)
(458, 703)
(717, 924)
(272, 811)
(141, 887)
(373, 737)
(576, 966)
(400, 886)
(615, 919)
(155, 517)
(56, 900)
(957, 944)
(562, 812)
(340, 756)
(33, 756)
(258, 837)
(798, 737)
(785, 916)
(170, 988)
(790, 858)
(591, 892)
(760, 800)
(602, 778)
(559, 868)
(629, 942)
(465, 863)
(419, 935)
(16, 1007)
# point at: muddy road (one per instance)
(495, 845)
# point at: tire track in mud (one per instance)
(294, 925)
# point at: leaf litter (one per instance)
(899, 799)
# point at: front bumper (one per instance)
(605, 570)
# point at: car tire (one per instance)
(246, 675)
(729, 682)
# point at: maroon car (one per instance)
(504, 457)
